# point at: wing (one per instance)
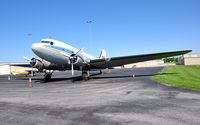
(119, 61)
(21, 65)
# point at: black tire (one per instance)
(47, 77)
(85, 76)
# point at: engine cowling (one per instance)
(40, 64)
(78, 61)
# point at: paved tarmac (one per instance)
(108, 99)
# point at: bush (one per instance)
(170, 60)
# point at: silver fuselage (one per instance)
(58, 54)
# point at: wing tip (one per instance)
(187, 51)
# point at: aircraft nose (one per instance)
(35, 47)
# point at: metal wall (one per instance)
(4, 69)
(189, 59)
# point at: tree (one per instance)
(171, 60)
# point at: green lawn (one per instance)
(180, 76)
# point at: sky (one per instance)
(121, 27)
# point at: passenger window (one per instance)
(51, 43)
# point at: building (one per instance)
(6, 68)
(189, 59)
(151, 63)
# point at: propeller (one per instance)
(72, 59)
(31, 63)
(72, 65)
(26, 58)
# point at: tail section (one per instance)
(103, 54)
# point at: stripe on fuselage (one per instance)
(21, 73)
(58, 49)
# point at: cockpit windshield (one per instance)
(45, 41)
(50, 42)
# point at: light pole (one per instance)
(90, 33)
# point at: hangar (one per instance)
(6, 68)
(189, 59)
(151, 63)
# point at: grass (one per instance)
(180, 76)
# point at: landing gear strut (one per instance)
(47, 76)
(101, 72)
(85, 75)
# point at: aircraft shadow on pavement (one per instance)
(99, 76)
(110, 76)
(93, 76)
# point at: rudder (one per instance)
(103, 54)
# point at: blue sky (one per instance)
(121, 27)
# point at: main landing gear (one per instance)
(47, 76)
(85, 75)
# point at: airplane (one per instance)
(20, 73)
(56, 55)
(25, 72)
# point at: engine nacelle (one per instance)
(39, 63)
(78, 61)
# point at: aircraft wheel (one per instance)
(47, 77)
(85, 76)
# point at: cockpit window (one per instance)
(45, 41)
(50, 42)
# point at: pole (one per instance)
(9, 73)
(9, 77)
(90, 33)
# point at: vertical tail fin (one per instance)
(103, 54)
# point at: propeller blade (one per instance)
(72, 66)
(80, 51)
(31, 71)
(72, 58)
(26, 58)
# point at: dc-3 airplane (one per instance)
(56, 55)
